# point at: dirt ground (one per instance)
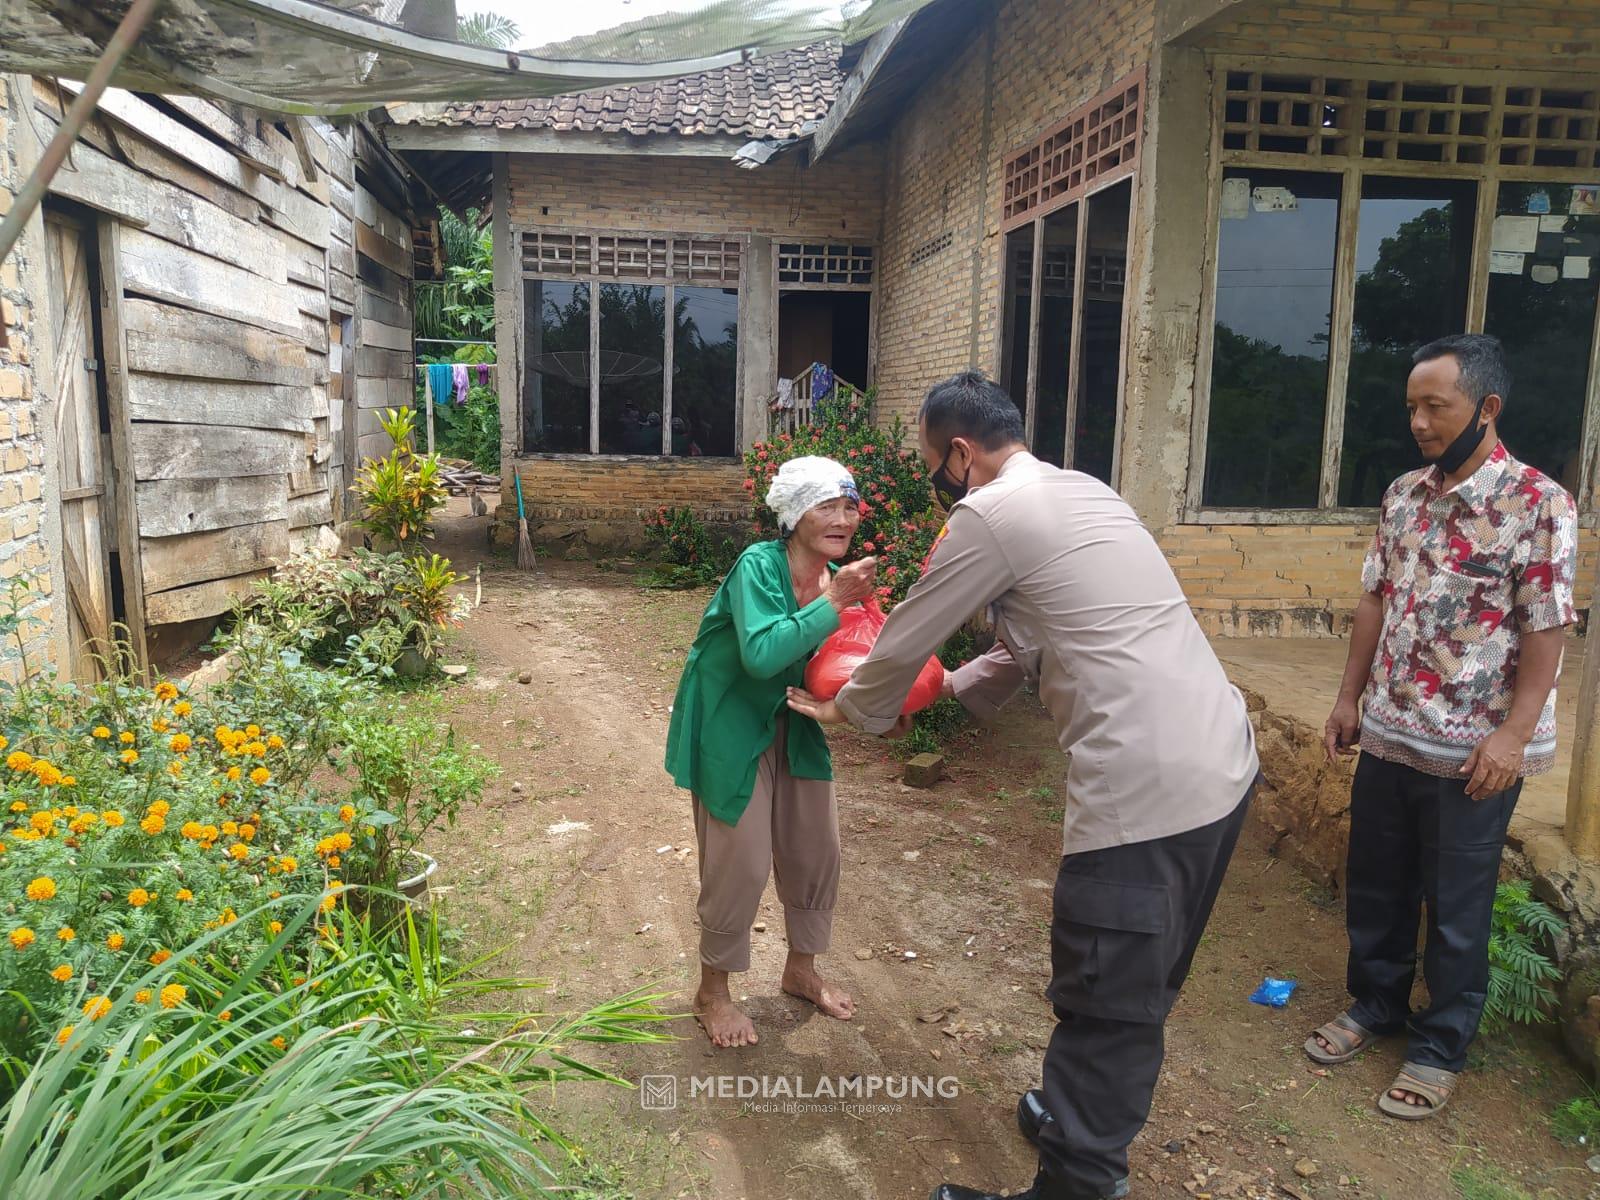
(581, 863)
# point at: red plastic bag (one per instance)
(847, 648)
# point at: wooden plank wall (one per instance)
(384, 365)
(243, 280)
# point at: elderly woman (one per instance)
(760, 775)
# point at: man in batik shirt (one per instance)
(1454, 657)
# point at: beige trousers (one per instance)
(791, 828)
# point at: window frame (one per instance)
(670, 279)
(1488, 175)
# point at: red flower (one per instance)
(868, 547)
(749, 485)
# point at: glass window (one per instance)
(1094, 440)
(633, 331)
(1055, 334)
(1269, 369)
(705, 345)
(1542, 307)
(555, 388)
(1413, 259)
(1018, 312)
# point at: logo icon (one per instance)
(658, 1093)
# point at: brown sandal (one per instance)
(1347, 1037)
(1433, 1084)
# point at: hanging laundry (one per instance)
(483, 374)
(441, 382)
(785, 400)
(821, 381)
(459, 374)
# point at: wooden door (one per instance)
(87, 522)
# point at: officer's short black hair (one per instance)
(972, 406)
(1481, 359)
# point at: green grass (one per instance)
(1578, 1120)
(1484, 1183)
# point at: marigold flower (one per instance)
(247, 832)
(66, 933)
(181, 743)
(19, 806)
(46, 773)
(342, 841)
(159, 956)
(153, 825)
(166, 690)
(129, 757)
(230, 827)
(65, 1035)
(273, 895)
(173, 995)
(42, 888)
(96, 1007)
(182, 708)
(62, 973)
(142, 996)
(333, 861)
(328, 902)
(192, 830)
(278, 1041)
(274, 742)
(19, 760)
(115, 941)
(112, 817)
(210, 833)
(69, 781)
(21, 938)
(160, 725)
(233, 774)
(175, 768)
(238, 852)
(160, 808)
(26, 835)
(347, 813)
(252, 730)
(101, 732)
(185, 894)
(4, 741)
(126, 738)
(139, 897)
(42, 822)
(260, 775)
(82, 824)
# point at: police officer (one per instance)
(1161, 759)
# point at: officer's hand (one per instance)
(824, 712)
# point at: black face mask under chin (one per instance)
(1468, 440)
(946, 487)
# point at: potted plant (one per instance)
(401, 491)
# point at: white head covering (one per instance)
(803, 483)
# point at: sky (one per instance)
(546, 21)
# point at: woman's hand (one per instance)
(852, 584)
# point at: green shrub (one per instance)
(1520, 973)
(471, 431)
(690, 555)
(1578, 1120)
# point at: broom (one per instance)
(525, 558)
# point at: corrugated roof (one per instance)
(772, 96)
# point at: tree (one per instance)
(488, 29)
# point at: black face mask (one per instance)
(1468, 440)
(946, 486)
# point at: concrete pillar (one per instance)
(758, 341)
(1583, 783)
(1167, 262)
(507, 320)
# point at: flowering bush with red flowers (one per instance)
(898, 517)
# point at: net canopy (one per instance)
(349, 56)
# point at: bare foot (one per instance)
(802, 980)
(724, 1022)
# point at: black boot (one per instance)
(1043, 1188)
(1032, 1114)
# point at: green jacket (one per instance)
(752, 645)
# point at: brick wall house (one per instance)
(1196, 239)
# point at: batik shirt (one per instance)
(1463, 575)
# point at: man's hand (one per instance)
(1342, 730)
(824, 712)
(902, 727)
(1494, 764)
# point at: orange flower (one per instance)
(181, 743)
(96, 1007)
(142, 996)
(173, 995)
(225, 1015)
(233, 774)
(288, 863)
(333, 861)
(260, 775)
(328, 902)
(280, 1042)
(175, 768)
(46, 773)
(126, 738)
(185, 894)
(115, 941)
(159, 809)
(65, 1035)
(66, 933)
(159, 957)
(112, 817)
(101, 732)
(139, 897)
(21, 938)
(238, 852)
(182, 708)
(153, 825)
(62, 973)
(166, 690)
(347, 813)
(193, 830)
(276, 927)
(42, 822)
(69, 781)
(252, 731)
(19, 760)
(19, 806)
(230, 828)
(247, 832)
(42, 888)
(273, 743)
(160, 725)
(129, 757)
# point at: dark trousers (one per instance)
(1125, 926)
(1418, 838)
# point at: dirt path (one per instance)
(581, 863)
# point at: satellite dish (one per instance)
(572, 366)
